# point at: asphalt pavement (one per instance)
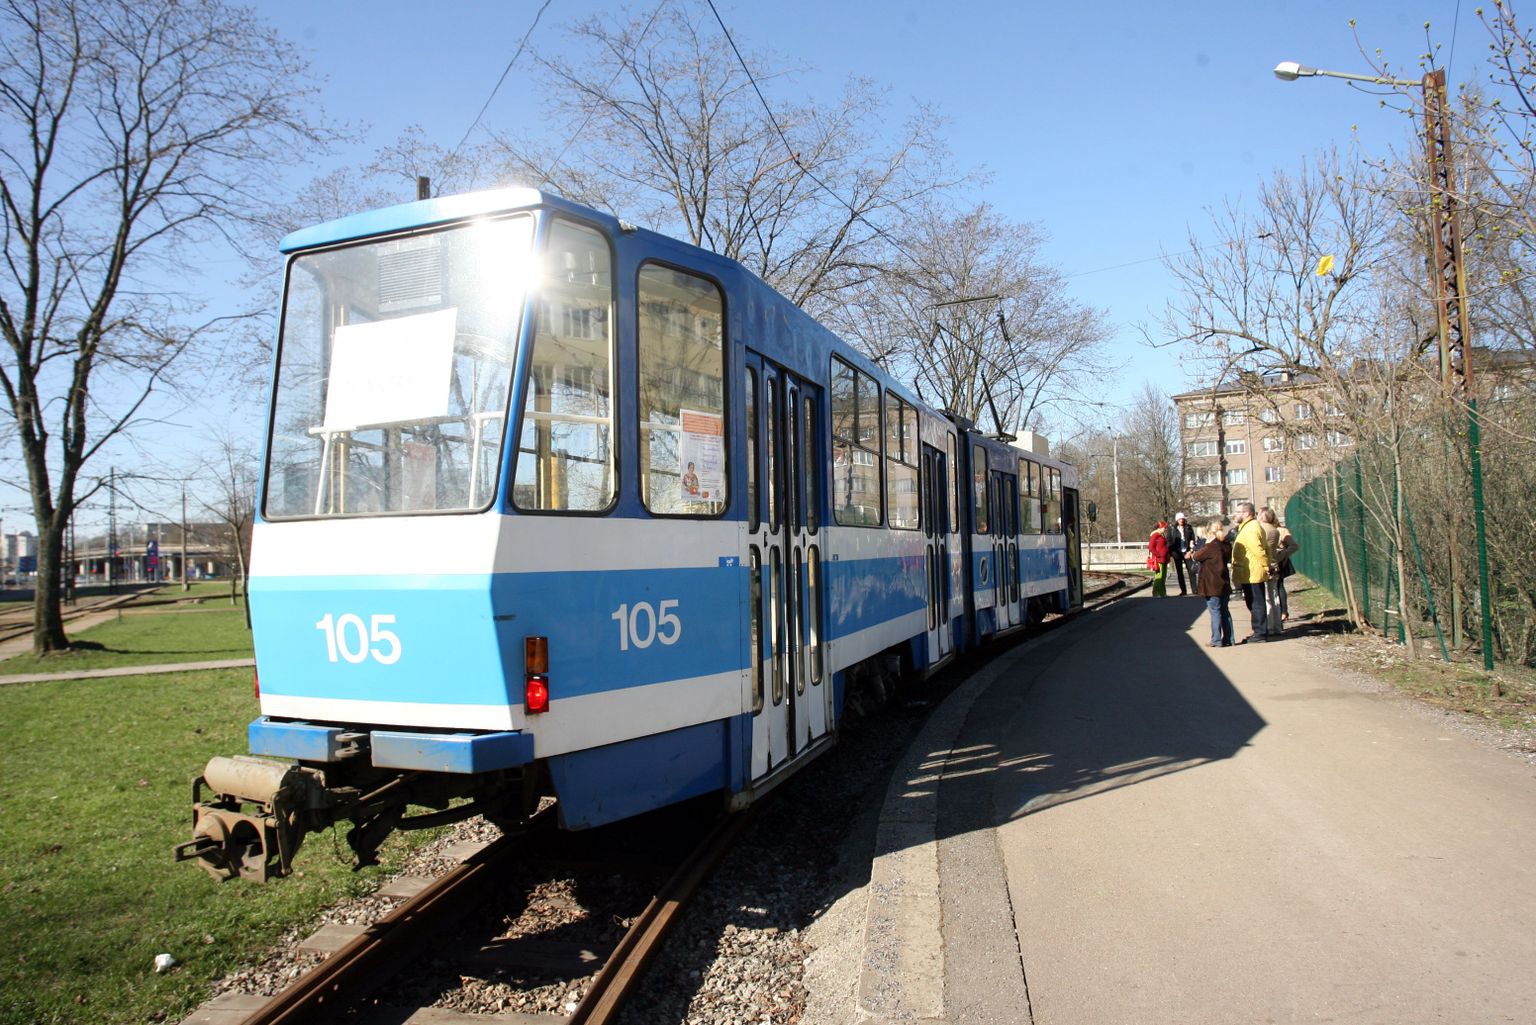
(1117, 824)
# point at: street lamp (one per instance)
(1449, 285)
(1290, 71)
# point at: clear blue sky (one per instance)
(1114, 125)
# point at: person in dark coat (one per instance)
(1214, 584)
(1181, 545)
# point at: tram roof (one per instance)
(428, 212)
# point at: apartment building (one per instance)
(1255, 443)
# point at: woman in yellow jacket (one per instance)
(1253, 561)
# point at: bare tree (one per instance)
(655, 120)
(235, 473)
(1151, 463)
(129, 128)
(976, 319)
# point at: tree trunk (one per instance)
(1400, 518)
(1331, 489)
(47, 617)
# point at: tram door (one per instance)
(1005, 547)
(791, 696)
(1069, 527)
(935, 490)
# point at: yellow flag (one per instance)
(1325, 266)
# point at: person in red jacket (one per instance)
(1157, 559)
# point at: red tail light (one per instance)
(536, 668)
(536, 696)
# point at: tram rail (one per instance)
(339, 985)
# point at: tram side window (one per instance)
(752, 512)
(855, 447)
(1029, 486)
(682, 393)
(1046, 509)
(979, 483)
(565, 449)
(901, 463)
(951, 484)
(1053, 524)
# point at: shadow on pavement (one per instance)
(1083, 714)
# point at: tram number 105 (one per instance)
(346, 636)
(641, 625)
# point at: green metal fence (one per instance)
(1366, 559)
(1355, 556)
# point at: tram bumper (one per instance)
(253, 824)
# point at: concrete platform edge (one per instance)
(902, 977)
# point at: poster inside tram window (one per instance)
(701, 456)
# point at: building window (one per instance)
(1195, 421)
(1273, 474)
(1235, 418)
(1206, 478)
(1338, 439)
(1333, 409)
(1269, 415)
(1237, 476)
(1306, 441)
(1236, 447)
(1303, 410)
(1205, 508)
(1274, 444)
(1201, 448)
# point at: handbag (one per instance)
(1286, 569)
(1152, 562)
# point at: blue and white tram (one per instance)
(553, 505)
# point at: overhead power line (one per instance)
(504, 73)
(792, 152)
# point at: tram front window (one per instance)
(394, 367)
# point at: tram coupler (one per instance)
(233, 843)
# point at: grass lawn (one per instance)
(150, 637)
(208, 590)
(95, 789)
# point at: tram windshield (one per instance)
(394, 368)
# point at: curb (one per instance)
(97, 674)
(902, 977)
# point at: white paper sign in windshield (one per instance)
(391, 371)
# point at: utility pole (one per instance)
(1115, 464)
(112, 531)
(1221, 461)
(1449, 279)
(184, 585)
(1448, 282)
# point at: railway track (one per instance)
(361, 981)
(348, 983)
(16, 620)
